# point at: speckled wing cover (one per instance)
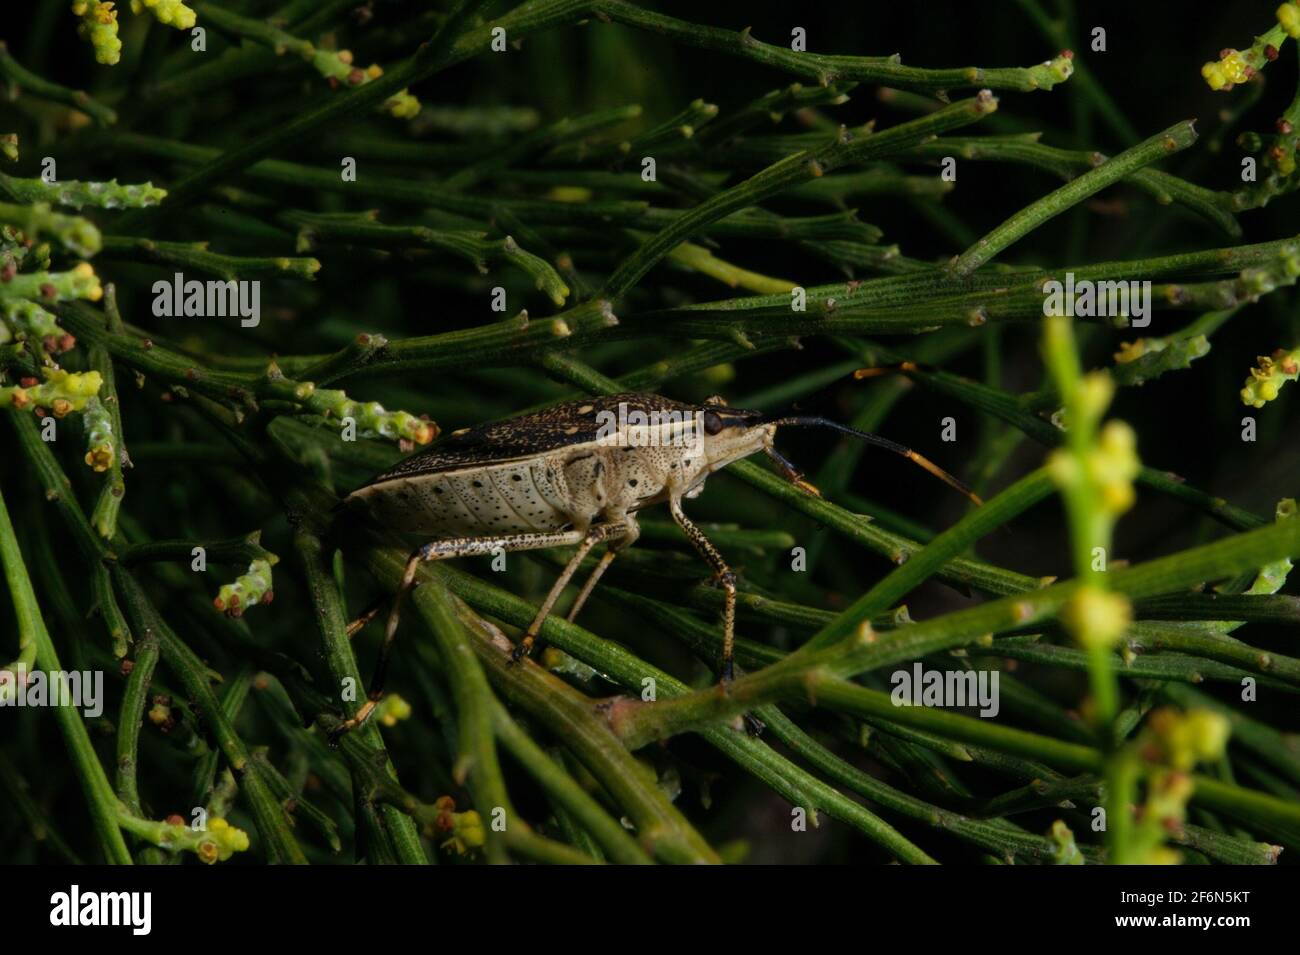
(563, 425)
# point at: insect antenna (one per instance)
(801, 421)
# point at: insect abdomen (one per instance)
(513, 498)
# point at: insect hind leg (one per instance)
(380, 676)
(434, 550)
(616, 548)
(360, 622)
(596, 534)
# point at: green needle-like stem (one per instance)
(1172, 140)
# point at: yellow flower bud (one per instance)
(100, 458)
(469, 827)
(1131, 351)
(1095, 392)
(173, 13)
(393, 709)
(1118, 497)
(221, 842)
(1062, 468)
(1209, 732)
(1185, 739)
(1268, 377)
(402, 105)
(1235, 67)
(1096, 617)
(1288, 14)
(99, 26)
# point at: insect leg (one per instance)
(439, 550)
(594, 536)
(792, 473)
(724, 576)
(634, 531)
(606, 559)
(370, 613)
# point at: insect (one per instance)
(576, 473)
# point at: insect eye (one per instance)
(712, 422)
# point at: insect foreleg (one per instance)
(724, 576)
(597, 533)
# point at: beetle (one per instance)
(576, 473)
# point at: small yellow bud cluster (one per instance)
(1132, 351)
(1113, 465)
(215, 843)
(61, 393)
(370, 416)
(1230, 69)
(1171, 744)
(248, 590)
(222, 841)
(1239, 66)
(160, 713)
(25, 321)
(1096, 617)
(392, 709)
(86, 283)
(339, 69)
(1288, 15)
(99, 26)
(172, 13)
(99, 22)
(1165, 810)
(1095, 392)
(402, 105)
(1181, 740)
(1268, 377)
(98, 425)
(1279, 150)
(1110, 466)
(464, 830)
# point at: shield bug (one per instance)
(576, 473)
